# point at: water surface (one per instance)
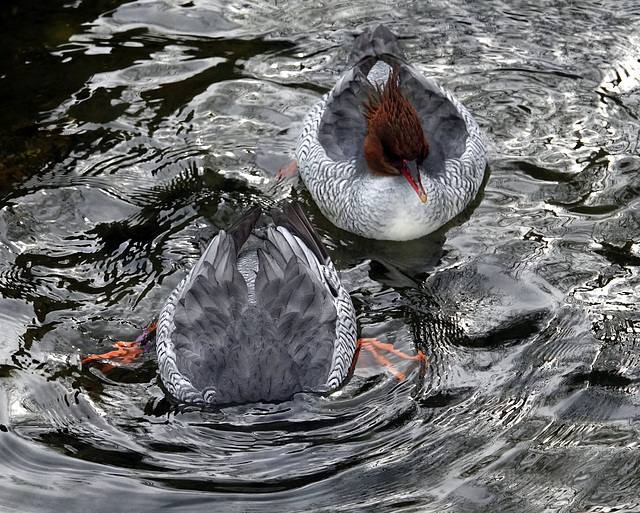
(133, 132)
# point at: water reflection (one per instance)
(149, 125)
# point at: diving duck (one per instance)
(261, 317)
(387, 153)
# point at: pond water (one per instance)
(133, 132)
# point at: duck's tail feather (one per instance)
(375, 43)
(243, 227)
(293, 218)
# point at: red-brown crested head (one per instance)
(395, 142)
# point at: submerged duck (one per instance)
(260, 317)
(387, 153)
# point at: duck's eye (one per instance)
(392, 158)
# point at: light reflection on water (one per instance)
(166, 120)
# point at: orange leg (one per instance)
(127, 352)
(370, 344)
(289, 171)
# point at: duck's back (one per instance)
(258, 324)
(343, 126)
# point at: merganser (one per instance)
(382, 134)
(261, 317)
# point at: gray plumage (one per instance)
(331, 159)
(260, 317)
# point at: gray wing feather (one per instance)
(210, 304)
(192, 325)
(289, 287)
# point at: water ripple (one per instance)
(158, 123)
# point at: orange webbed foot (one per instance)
(126, 352)
(289, 171)
(373, 345)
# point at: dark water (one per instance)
(132, 132)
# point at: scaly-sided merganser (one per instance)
(261, 317)
(382, 134)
